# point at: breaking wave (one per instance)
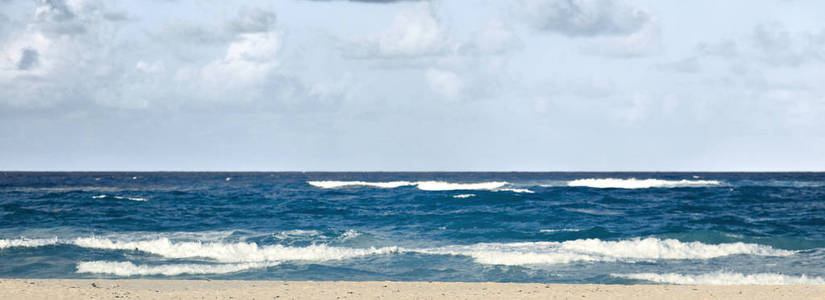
(598, 250)
(24, 242)
(232, 252)
(463, 196)
(725, 278)
(120, 198)
(296, 233)
(340, 184)
(524, 253)
(633, 183)
(423, 185)
(130, 269)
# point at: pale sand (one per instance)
(30, 289)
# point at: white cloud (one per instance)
(414, 31)
(248, 60)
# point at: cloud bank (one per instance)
(410, 85)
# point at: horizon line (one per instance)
(403, 171)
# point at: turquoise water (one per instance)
(762, 228)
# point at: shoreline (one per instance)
(29, 289)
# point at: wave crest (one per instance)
(24, 242)
(331, 184)
(523, 253)
(725, 278)
(598, 250)
(232, 252)
(633, 183)
(463, 196)
(130, 269)
(423, 185)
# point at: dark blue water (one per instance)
(526, 227)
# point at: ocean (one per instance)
(613, 228)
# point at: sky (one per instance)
(370, 85)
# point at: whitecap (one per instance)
(130, 269)
(725, 278)
(232, 252)
(297, 232)
(24, 242)
(514, 190)
(463, 196)
(349, 234)
(449, 186)
(523, 253)
(131, 198)
(99, 197)
(340, 184)
(633, 183)
(422, 185)
(529, 253)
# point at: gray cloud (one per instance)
(29, 58)
(779, 46)
(56, 17)
(283, 93)
(187, 32)
(252, 20)
(58, 11)
(370, 1)
(584, 18)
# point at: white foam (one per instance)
(598, 250)
(232, 252)
(633, 183)
(654, 248)
(349, 234)
(449, 186)
(130, 269)
(514, 190)
(524, 253)
(463, 196)
(339, 184)
(725, 278)
(421, 185)
(99, 197)
(24, 242)
(297, 232)
(131, 198)
(513, 253)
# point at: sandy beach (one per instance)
(218, 289)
